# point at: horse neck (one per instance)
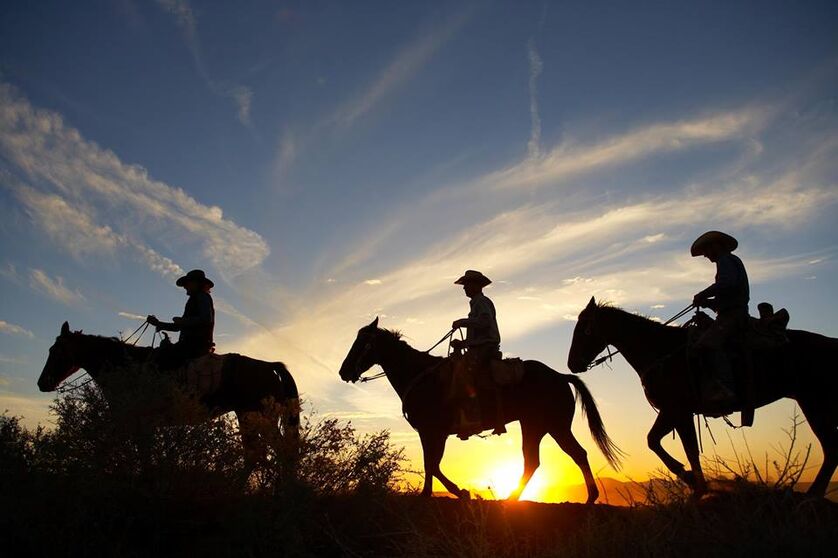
(401, 362)
(94, 352)
(640, 340)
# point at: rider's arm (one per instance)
(726, 279)
(201, 314)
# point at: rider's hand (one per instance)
(459, 323)
(699, 300)
(152, 319)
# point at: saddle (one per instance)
(475, 392)
(202, 376)
(722, 386)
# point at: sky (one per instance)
(329, 162)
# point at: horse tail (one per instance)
(606, 445)
(291, 403)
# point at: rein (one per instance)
(611, 354)
(378, 375)
(71, 386)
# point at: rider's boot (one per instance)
(500, 426)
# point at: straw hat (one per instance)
(472, 276)
(710, 238)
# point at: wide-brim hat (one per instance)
(472, 276)
(710, 238)
(195, 275)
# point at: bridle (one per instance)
(376, 376)
(608, 357)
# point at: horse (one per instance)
(263, 395)
(542, 401)
(799, 369)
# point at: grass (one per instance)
(109, 480)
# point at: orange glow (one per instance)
(503, 479)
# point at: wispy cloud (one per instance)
(536, 66)
(131, 316)
(404, 65)
(242, 96)
(14, 329)
(89, 201)
(570, 159)
(54, 287)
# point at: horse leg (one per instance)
(663, 425)
(253, 445)
(574, 449)
(823, 425)
(530, 442)
(433, 447)
(695, 476)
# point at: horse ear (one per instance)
(374, 323)
(592, 303)
(65, 329)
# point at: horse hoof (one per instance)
(688, 477)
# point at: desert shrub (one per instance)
(138, 468)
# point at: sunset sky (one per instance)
(327, 162)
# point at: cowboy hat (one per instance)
(472, 276)
(195, 275)
(723, 240)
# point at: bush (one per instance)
(146, 470)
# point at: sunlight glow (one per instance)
(503, 480)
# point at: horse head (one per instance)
(362, 354)
(588, 340)
(62, 361)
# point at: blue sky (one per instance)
(328, 162)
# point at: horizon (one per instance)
(328, 164)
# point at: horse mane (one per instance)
(636, 319)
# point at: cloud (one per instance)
(89, 201)
(404, 65)
(185, 18)
(54, 288)
(551, 258)
(131, 316)
(243, 96)
(14, 329)
(534, 145)
(569, 159)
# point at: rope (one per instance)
(611, 354)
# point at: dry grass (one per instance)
(116, 482)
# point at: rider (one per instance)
(728, 297)
(195, 326)
(482, 342)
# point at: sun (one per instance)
(503, 480)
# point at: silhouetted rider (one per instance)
(728, 296)
(195, 326)
(482, 342)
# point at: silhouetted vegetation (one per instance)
(104, 483)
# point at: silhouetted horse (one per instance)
(262, 394)
(803, 370)
(543, 402)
